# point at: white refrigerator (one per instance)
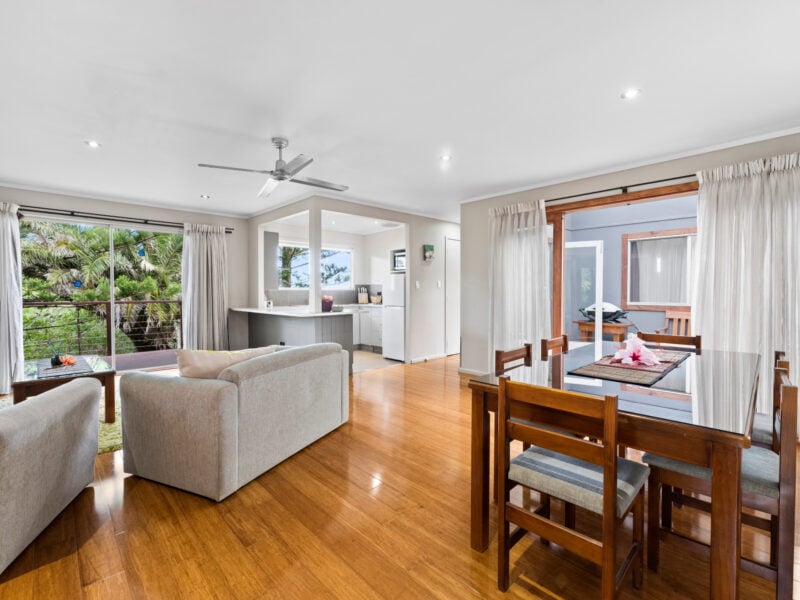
(394, 317)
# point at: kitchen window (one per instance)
(336, 267)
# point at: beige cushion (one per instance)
(208, 364)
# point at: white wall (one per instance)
(377, 249)
(476, 350)
(425, 305)
(238, 252)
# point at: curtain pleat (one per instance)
(11, 345)
(205, 288)
(520, 276)
(748, 262)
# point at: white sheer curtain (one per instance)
(520, 276)
(205, 288)
(659, 268)
(748, 262)
(11, 350)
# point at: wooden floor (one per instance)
(377, 509)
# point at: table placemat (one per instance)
(638, 374)
(45, 370)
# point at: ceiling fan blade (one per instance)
(320, 184)
(298, 163)
(268, 188)
(234, 169)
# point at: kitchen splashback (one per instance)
(300, 297)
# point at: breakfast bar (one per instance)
(298, 326)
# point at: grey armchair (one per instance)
(48, 445)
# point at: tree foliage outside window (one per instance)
(336, 267)
(64, 262)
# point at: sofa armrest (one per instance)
(181, 432)
(48, 445)
(287, 400)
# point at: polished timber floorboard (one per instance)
(377, 509)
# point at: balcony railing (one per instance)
(145, 328)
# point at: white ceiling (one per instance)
(341, 222)
(520, 92)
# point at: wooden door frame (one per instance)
(555, 217)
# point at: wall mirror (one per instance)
(656, 272)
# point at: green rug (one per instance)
(110, 434)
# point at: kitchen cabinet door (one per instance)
(377, 325)
(367, 328)
(356, 329)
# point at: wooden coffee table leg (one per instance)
(108, 385)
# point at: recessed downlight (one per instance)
(446, 158)
(205, 196)
(630, 93)
(93, 144)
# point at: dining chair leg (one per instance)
(638, 539)
(773, 540)
(785, 550)
(502, 551)
(544, 510)
(569, 515)
(653, 509)
(666, 506)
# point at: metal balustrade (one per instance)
(146, 332)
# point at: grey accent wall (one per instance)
(609, 225)
(271, 275)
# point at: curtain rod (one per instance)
(112, 218)
(623, 188)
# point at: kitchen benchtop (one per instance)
(290, 311)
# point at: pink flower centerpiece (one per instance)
(635, 353)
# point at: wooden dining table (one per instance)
(700, 412)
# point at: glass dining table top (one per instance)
(713, 389)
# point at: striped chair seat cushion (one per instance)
(760, 470)
(574, 480)
(762, 429)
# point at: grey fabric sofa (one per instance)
(48, 445)
(212, 436)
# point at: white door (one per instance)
(452, 296)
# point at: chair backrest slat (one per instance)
(680, 340)
(502, 358)
(556, 345)
(677, 322)
(557, 442)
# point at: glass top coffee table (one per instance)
(40, 378)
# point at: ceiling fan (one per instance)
(284, 171)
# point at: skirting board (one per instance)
(424, 358)
(471, 371)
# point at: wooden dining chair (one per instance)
(678, 340)
(565, 464)
(676, 322)
(764, 433)
(768, 486)
(508, 359)
(556, 345)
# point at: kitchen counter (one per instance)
(297, 326)
(289, 311)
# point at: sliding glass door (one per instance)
(97, 289)
(583, 291)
